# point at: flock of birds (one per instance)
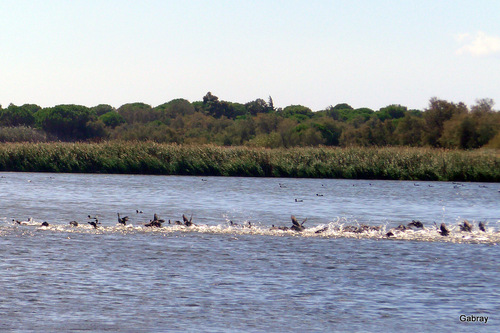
(154, 223)
(296, 226)
(466, 226)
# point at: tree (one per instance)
(483, 106)
(19, 115)
(215, 108)
(68, 122)
(112, 119)
(392, 111)
(259, 106)
(138, 113)
(102, 109)
(330, 129)
(409, 130)
(298, 112)
(174, 108)
(435, 116)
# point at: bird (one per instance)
(95, 223)
(279, 228)
(156, 222)
(416, 224)
(122, 220)
(444, 230)
(187, 222)
(73, 223)
(296, 226)
(321, 230)
(467, 227)
(482, 227)
(401, 227)
(45, 224)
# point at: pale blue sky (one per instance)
(314, 53)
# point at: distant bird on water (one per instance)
(466, 226)
(156, 222)
(122, 220)
(296, 226)
(187, 222)
(416, 224)
(444, 230)
(95, 223)
(482, 227)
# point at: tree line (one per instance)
(258, 123)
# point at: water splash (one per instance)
(340, 228)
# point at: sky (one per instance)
(314, 53)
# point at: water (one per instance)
(222, 278)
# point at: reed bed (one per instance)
(208, 160)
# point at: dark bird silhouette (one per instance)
(416, 224)
(95, 223)
(73, 223)
(45, 224)
(321, 230)
(138, 211)
(466, 226)
(296, 226)
(122, 220)
(482, 227)
(279, 228)
(444, 230)
(156, 222)
(187, 222)
(401, 227)
(153, 223)
(299, 200)
(363, 228)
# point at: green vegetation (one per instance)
(258, 124)
(215, 137)
(321, 162)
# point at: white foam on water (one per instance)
(335, 229)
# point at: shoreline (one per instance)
(149, 158)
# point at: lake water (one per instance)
(217, 277)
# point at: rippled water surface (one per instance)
(217, 277)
